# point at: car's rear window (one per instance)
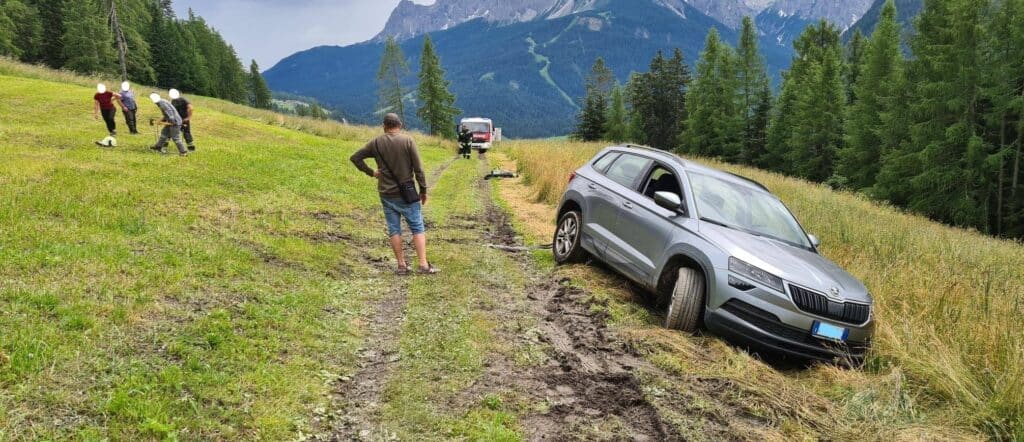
(627, 168)
(602, 164)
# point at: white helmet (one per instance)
(155, 97)
(174, 93)
(126, 86)
(101, 88)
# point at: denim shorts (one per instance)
(395, 209)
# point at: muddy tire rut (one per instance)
(591, 381)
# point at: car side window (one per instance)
(626, 169)
(661, 179)
(602, 164)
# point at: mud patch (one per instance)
(587, 383)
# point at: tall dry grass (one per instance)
(948, 300)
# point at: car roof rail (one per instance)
(655, 150)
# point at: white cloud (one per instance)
(269, 30)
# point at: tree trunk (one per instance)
(1002, 165)
(122, 46)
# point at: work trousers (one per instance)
(108, 117)
(172, 133)
(131, 120)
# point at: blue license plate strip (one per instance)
(830, 332)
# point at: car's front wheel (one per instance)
(566, 244)
(687, 304)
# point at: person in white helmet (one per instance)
(184, 108)
(172, 126)
(104, 104)
(129, 107)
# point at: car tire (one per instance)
(566, 243)
(687, 303)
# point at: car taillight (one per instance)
(572, 176)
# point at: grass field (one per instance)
(236, 293)
(150, 297)
(948, 352)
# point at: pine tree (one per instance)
(808, 127)
(946, 163)
(393, 69)
(658, 101)
(591, 121)
(854, 64)
(1004, 89)
(860, 159)
(28, 28)
(7, 34)
(51, 15)
(437, 104)
(617, 122)
(715, 122)
(755, 94)
(88, 43)
(258, 90)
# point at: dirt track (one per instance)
(590, 382)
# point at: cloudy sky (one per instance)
(269, 30)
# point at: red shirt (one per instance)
(106, 100)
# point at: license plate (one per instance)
(830, 332)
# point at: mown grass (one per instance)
(151, 297)
(948, 351)
(449, 330)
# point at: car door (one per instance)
(620, 185)
(644, 228)
(602, 208)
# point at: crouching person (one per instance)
(398, 163)
(171, 123)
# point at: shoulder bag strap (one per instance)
(383, 162)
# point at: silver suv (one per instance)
(713, 247)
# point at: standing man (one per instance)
(184, 109)
(398, 162)
(129, 106)
(465, 143)
(104, 104)
(172, 126)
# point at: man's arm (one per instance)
(359, 159)
(417, 168)
(189, 117)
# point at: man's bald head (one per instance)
(392, 122)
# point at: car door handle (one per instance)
(592, 186)
(628, 205)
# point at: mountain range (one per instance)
(523, 62)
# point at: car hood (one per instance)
(793, 264)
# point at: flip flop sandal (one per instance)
(403, 271)
(429, 270)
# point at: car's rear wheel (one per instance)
(566, 244)
(687, 304)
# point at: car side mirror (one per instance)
(668, 200)
(814, 241)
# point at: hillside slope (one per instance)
(149, 297)
(947, 349)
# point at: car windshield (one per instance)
(741, 208)
(477, 127)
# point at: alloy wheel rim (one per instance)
(566, 236)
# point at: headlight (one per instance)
(743, 269)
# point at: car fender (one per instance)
(695, 254)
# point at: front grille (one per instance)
(771, 324)
(817, 304)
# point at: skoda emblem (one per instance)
(835, 293)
